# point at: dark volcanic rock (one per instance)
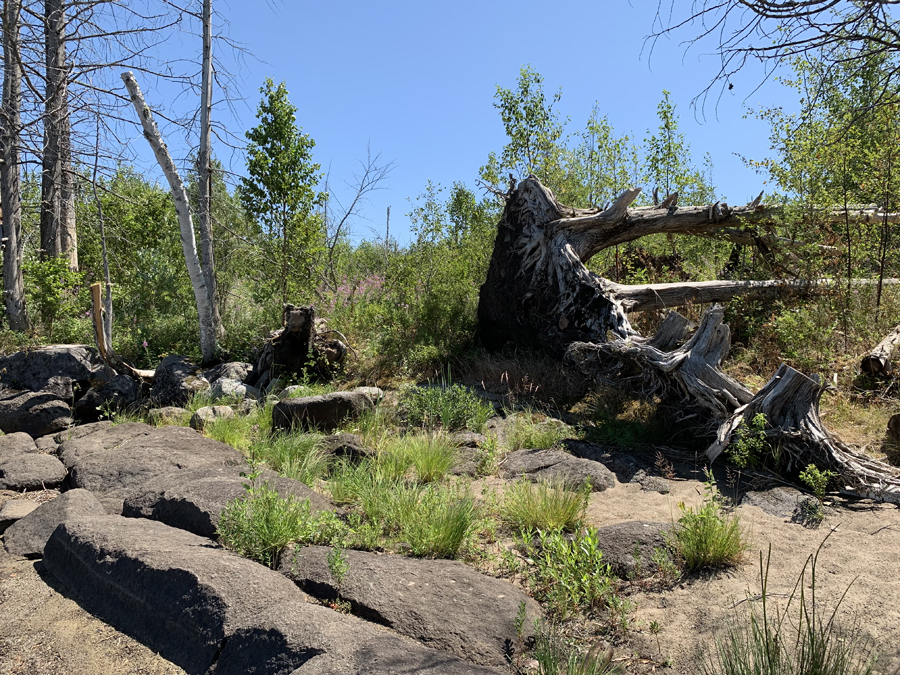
(29, 535)
(556, 465)
(117, 394)
(176, 381)
(37, 413)
(208, 414)
(194, 499)
(58, 369)
(233, 370)
(14, 510)
(34, 471)
(169, 413)
(442, 603)
(320, 412)
(621, 542)
(347, 446)
(176, 592)
(783, 501)
(81, 431)
(125, 456)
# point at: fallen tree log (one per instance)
(878, 361)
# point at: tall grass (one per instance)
(546, 505)
(297, 456)
(799, 641)
(708, 536)
(524, 432)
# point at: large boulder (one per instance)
(37, 413)
(176, 381)
(14, 510)
(629, 547)
(34, 471)
(18, 443)
(124, 457)
(557, 465)
(226, 387)
(233, 370)
(81, 431)
(209, 414)
(116, 394)
(59, 369)
(28, 536)
(325, 412)
(172, 590)
(194, 499)
(442, 603)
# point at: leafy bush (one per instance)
(546, 505)
(766, 642)
(261, 523)
(817, 480)
(451, 406)
(707, 537)
(569, 573)
(749, 446)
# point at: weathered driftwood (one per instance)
(878, 361)
(790, 404)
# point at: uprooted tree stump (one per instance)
(540, 294)
(298, 349)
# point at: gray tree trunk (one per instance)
(204, 172)
(10, 182)
(182, 208)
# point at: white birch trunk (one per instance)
(182, 208)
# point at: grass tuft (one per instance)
(546, 505)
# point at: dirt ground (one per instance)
(45, 632)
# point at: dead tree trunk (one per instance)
(539, 293)
(878, 361)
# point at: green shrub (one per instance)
(450, 406)
(817, 480)
(569, 572)
(707, 537)
(260, 524)
(524, 432)
(546, 505)
(765, 641)
(749, 447)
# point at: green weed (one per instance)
(555, 657)
(524, 432)
(448, 406)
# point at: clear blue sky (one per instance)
(416, 80)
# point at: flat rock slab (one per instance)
(539, 465)
(37, 413)
(178, 593)
(125, 456)
(443, 604)
(81, 431)
(781, 502)
(305, 639)
(325, 412)
(14, 510)
(18, 443)
(194, 499)
(33, 471)
(629, 547)
(29, 535)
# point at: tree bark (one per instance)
(10, 180)
(182, 208)
(204, 173)
(58, 235)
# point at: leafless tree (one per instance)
(773, 32)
